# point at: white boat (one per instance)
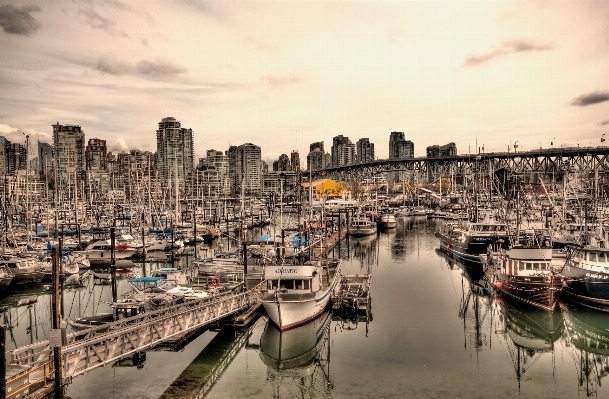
(296, 294)
(387, 221)
(101, 251)
(361, 226)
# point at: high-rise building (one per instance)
(45, 158)
(16, 156)
(69, 153)
(96, 155)
(316, 158)
(219, 161)
(365, 150)
(295, 161)
(3, 160)
(399, 148)
(447, 150)
(245, 168)
(282, 164)
(343, 151)
(175, 150)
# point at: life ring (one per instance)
(215, 281)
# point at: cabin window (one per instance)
(298, 284)
(307, 284)
(272, 284)
(592, 257)
(601, 257)
(287, 284)
(529, 266)
(535, 266)
(520, 266)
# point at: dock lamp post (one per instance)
(602, 139)
(515, 146)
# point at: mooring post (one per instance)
(113, 263)
(3, 362)
(58, 394)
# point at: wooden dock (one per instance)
(324, 249)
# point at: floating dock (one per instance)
(352, 295)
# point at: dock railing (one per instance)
(94, 347)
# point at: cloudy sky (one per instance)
(282, 74)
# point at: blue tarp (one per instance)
(145, 279)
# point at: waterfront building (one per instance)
(295, 161)
(69, 154)
(324, 188)
(365, 150)
(245, 168)
(343, 151)
(175, 148)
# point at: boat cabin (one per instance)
(296, 279)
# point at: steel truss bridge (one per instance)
(557, 161)
(92, 348)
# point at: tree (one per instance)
(442, 186)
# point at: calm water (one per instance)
(434, 333)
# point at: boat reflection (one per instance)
(299, 357)
(529, 333)
(588, 334)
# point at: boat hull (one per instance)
(290, 314)
(585, 285)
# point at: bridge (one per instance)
(556, 161)
(93, 348)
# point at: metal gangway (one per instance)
(88, 349)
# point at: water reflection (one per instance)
(364, 250)
(298, 360)
(588, 334)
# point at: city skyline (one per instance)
(473, 73)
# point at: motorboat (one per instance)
(24, 269)
(361, 227)
(387, 221)
(296, 294)
(101, 251)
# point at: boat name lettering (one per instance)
(480, 239)
(597, 276)
(286, 271)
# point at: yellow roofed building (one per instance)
(321, 186)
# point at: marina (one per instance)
(274, 199)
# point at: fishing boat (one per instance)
(361, 227)
(586, 276)
(527, 275)
(468, 240)
(296, 294)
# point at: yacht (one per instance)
(101, 251)
(296, 294)
(24, 269)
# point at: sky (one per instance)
(284, 74)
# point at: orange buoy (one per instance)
(498, 284)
